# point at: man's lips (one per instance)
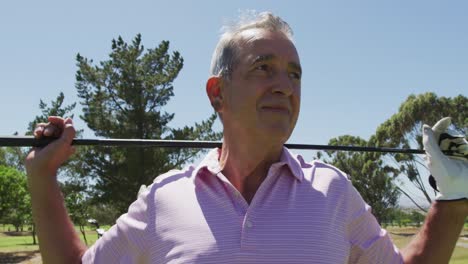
(276, 109)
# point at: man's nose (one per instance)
(283, 84)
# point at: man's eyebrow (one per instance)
(263, 58)
(268, 57)
(295, 66)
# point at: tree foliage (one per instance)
(56, 108)
(404, 217)
(417, 218)
(404, 130)
(15, 156)
(369, 176)
(12, 157)
(77, 203)
(3, 156)
(123, 97)
(15, 202)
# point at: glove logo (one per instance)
(454, 146)
(447, 160)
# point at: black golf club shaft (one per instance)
(24, 141)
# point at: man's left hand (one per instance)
(450, 172)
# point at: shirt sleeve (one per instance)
(369, 242)
(126, 241)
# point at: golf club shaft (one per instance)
(24, 141)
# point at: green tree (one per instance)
(417, 217)
(104, 214)
(15, 202)
(399, 217)
(56, 108)
(123, 97)
(3, 156)
(77, 204)
(13, 156)
(369, 176)
(403, 130)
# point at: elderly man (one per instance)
(252, 201)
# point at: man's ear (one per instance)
(214, 92)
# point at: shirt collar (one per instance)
(211, 163)
(293, 163)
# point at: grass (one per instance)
(16, 243)
(402, 236)
(22, 243)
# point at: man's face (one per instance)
(262, 97)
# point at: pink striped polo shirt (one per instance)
(302, 213)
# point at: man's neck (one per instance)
(246, 164)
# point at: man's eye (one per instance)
(295, 75)
(263, 67)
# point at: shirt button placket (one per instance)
(246, 243)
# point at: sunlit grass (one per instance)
(402, 236)
(16, 242)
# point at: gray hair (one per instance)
(225, 54)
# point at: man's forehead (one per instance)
(263, 44)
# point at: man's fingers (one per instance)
(57, 127)
(39, 130)
(430, 144)
(50, 131)
(68, 131)
(56, 120)
(68, 120)
(442, 125)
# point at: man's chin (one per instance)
(278, 132)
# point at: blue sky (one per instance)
(360, 59)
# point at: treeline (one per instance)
(121, 97)
(404, 217)
(378, 176)
(124, 97)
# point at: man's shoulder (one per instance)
(174, 176)
(322, 169)
(315, 168)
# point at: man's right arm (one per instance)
(58, 240)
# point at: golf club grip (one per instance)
(18, 141)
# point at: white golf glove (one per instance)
(450, 170)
